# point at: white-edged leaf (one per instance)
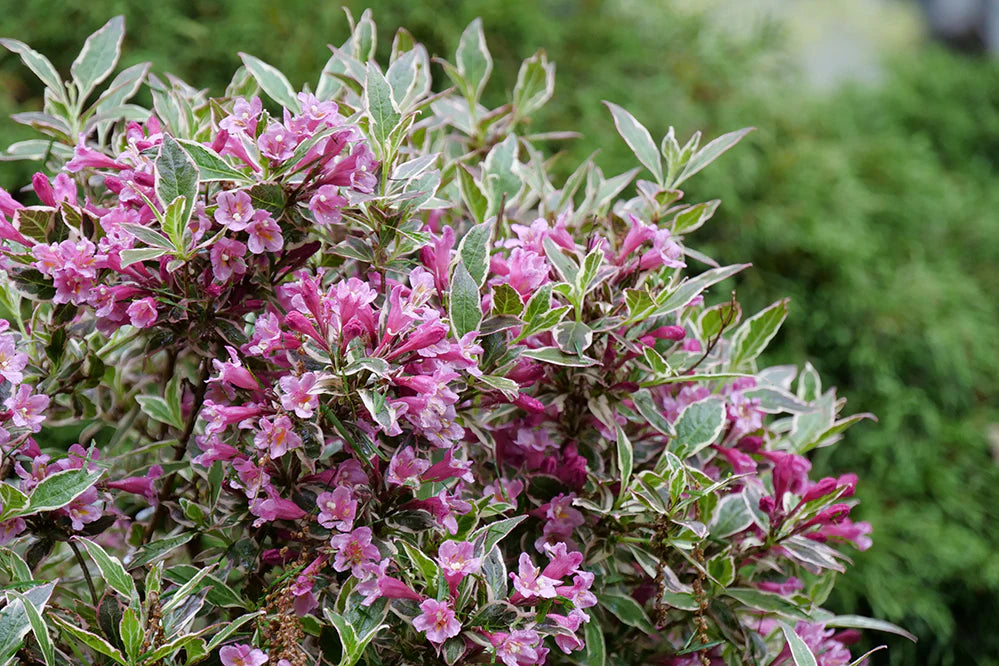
(272, 82)
(473, 58)
(638, 139)
(111, 568)
(801, 654)
(98, 57)
(710, 153)
(698, 425)
(38, 64)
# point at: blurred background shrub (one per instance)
(867, 195)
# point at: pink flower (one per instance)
(518, 648)
(244, 116)
(277, 142)
(265, 234)
(277, 436)
(437, 621)
(353, 551)
(140, 485)
(242, 655)
(298, 394)
(337, 509)
(227, 259)
(405, 468)
(27, 408)
(12, 362)
(235, 209)
(530, 582)
(325, 205)
(457, 559)
(275, 508)
(142, 312)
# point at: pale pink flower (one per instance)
(265, 234)
(297, 394)
(530, 582)
(353, 551)
(227, 259)
(235, 209)
(277, 436)
(337, 509)
(437, 621)
(242, 655)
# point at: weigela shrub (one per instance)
(355, 382)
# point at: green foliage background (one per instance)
(873, 208)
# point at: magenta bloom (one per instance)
(277, 142)
(437, 621)
(326, 204)
(265, 234)
(242, 655)
(235, 209)
(530, 582)
(518, 647)
(227, 259)
(27, 408)
(353, 551)
(405, 468)
(277, 436)
(297, 394)
(142, 312)
(457, 559)
(337, 509)
(244, 116)
(12, 362)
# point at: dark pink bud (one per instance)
(668, 333)
(43, 188)
(529, 403)
(819, 489)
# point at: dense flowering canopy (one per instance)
(353, 379)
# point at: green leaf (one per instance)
(348, 638)
(710, 153)
(643, 401)
(158, 549)
(176, 176)
(56, 491)
(174, 222)
(495, 532)
(767, 602)
(272, 82)
(473, 59)
(506, 301)
(731, 515)
(722, 569)
(499, 177)
(754, 334)
(269, 196)
(380, 106)
(38, 627)
(688, 289)
(465, 309)
(495, 575)
(471, 194)
(595, 653)
(130, 629)
(556, 357)
(638, 139)
(111, 569)
(625, 461)
(230, 628)
(157, 409)
(219, 594)
(98, 57)
(91, 640)
(121, 89)
(212, 166)
(698, 425)
(860, 622)
(425, 565)
(586, 280)
(628, 611)
(148, 236)
(694, 217)
(132, 256)
(535, 84)
(181, 594)
(566, 266)
(539, 303)
(801, 654)
(381, 412)
(38, 64)
(474, 251)
(12, 499)
(573, 337)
